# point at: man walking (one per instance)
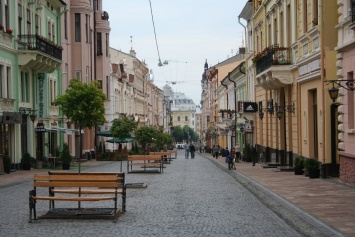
(187, 150)
(192, 150)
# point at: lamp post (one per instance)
(32, 115)
(334, 93)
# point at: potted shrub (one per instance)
(65, 157)
(312, 166)
(26, 161)
(298, 163)
(7, 162)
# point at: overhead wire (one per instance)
(155, 34)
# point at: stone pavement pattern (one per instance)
(191, 198)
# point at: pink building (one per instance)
(85, 42)
(346, 67)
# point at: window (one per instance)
(178, 118)
(78, 75)
(99, 44)
(304, 16)
(49, 29)
(186, 118)
(65, 25)
(350, 95)
(53, 33)
(19, 19)
(353, 10)
(107, 46)
(86, 28)
(7, 14)
(29, 26)
(37, 24)
(25, 87)
(2, 81)
(77, 28)
(53, 90)
(315, 9)
(1, 12)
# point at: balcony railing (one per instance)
(39, 43)
(270, 56)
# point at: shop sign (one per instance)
(11, 118)
(250, 107)
(40, 127)
(248, 127)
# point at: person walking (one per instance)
(233, 158)
(187, 150)
(192, 150)
(229, 159)
(226, 154)
(215, 151)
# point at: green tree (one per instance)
(145, 136)
(163, 139)
(121, 128)
(83, 104)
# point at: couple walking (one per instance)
(189, 148)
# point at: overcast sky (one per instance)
(188, 32)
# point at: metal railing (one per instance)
(39, 43)
(273, 55)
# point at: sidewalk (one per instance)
(328, 200)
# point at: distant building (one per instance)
(183, 109)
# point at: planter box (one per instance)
(313, 173)
(298, 171)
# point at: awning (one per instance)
(117, 140)
(106, 133)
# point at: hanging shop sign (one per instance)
(40, 127)
(250, 107)
(11, 118)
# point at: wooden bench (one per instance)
(107, 185)
(122, 187)
(145, 161)
(166, 155)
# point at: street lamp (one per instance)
(334, 93)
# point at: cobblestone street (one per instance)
(193, 197)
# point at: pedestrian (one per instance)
(187, 150)
(226, 154)
(215, 151)
(192, 150)
(233, 158)
(237, 152)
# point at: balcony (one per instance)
(273, 67)
(39, 53)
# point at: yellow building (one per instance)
(293, 56)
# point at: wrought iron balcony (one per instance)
(39, 43)
(273, 55)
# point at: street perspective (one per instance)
(177, 118)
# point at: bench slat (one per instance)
(74, 198)
(75, 178)
(88, 191)
(110, 184)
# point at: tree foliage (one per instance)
(122, 127)
(152, 135)
(180, 134)
(83, 104)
